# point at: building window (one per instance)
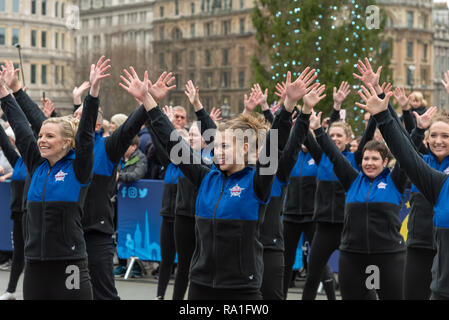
(56, 40)
(33, 38)
(63, 41)
(62, 75)
(16, 6)
(226, 28)
(207, 5)
(44, 74)
(192, 8)
(410, 19)
(425, 51)
(241, 79)
(424, 76)
(44, 39)
(15, 36)
(44, 7)
(192, 30)
(56, 75)
(242, 4)
(192, 58)
(208, 28)
(242, 26)
(225, 79)
(84, 42)
(2, 36)
(209, 78)
(409, 77)
(176, 7)
(192, 77)
(242, 55)
(2, 6)
(410, 50)
(161, 60)
(207, 57)
(176, 59)
(56, 9)
(33, 74)
(161, 11)
(33, 6)
(225, 57)
(62, 10)
(177, 35)
(161, 33)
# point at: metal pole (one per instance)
(21, 64)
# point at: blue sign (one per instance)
(5, 217)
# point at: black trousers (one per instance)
(100, 250)
(273, 275)
(292, 234)
(199, 292)
(168, 254)
(418, 273)
(325, 241)
(355, 278)
(18, 260)
(57, 280)
(185, 245)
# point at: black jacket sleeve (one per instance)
(32, 111)
(335, 116)
(159, 146)
(313, 147)
(75, 107)
(399, 177)
(268, 116)
(163, 129)
(409, 120)
(290, 153)
(368, 135)
(25, 140)
(206, 124)
(342, 167)
(427, 180)
(84, 140)
(8, 149)
(119, 141)
(266, 169)
(417, 137)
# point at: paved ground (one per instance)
(144, 288)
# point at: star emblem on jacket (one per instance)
(60, 176)
(236, 191)
(311, 162)
(381, 185)
(446, 171)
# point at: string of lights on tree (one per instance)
(330, 36)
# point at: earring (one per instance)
(63, 147)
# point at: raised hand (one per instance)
(401, 98)
(315, 120)
(299, 88)
(78, 92)
(10, 76)
(251, 102)
(97, 74)
(340, 95)
(261, 97)
(3, 91)
(137, 88)
(425, 120)
(162, 86)
(168, 111)
(386, 87)
(215, 114)
(445, 82)
(367, 75)
(374, 104)
(193, 95)
(48, 107)
(313, 97)
(281, 92)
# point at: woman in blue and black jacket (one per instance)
(227, 263)
(16, 206)
(55, 249)
(371, 231)
(433, 184)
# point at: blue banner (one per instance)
(5, 217)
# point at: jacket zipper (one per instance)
(43, 215)
(367, 213)
(300, 189)
(214, 231)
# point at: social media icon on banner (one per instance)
(132, 192)
(143, 193)
(124, 192)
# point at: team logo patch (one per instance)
(446, 171)
(60, 176)
(381, 185)
(311, 162)
(236, 191)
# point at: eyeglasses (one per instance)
(180, 117)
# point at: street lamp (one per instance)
(412, 69)
(17, 45)
(225, 109)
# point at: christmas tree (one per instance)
(330, 36)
